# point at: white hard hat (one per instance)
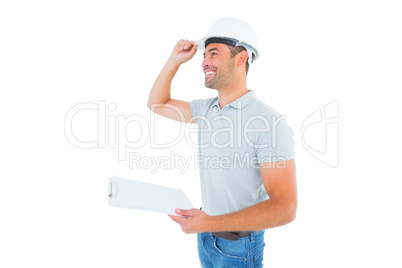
(233, 32)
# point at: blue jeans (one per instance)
(216, 252)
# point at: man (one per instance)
(245, 147)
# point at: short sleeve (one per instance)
(199, 108)
(195, 106)
(276, 143)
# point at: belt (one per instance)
(232, 236)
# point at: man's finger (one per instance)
(187, 45)
(172, 217)
(186, 212)
(182, 212)
(177, 219)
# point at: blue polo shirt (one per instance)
(232, 142)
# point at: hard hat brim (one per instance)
(201, 44)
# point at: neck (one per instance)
(232, 92)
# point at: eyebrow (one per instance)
(212, 49)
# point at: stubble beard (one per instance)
(222, 77)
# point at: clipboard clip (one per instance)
(113, 189)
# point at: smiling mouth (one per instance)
(209, 73)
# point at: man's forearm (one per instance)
(160, 92)
(267, 214)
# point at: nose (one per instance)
(205, 63)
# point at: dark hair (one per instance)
(236, 50)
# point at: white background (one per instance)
(56, 54)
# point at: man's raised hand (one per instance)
(183, 51)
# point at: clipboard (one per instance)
(131, 194)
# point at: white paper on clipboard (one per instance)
(132, 194)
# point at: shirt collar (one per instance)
(241, 102)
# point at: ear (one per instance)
(241, 58)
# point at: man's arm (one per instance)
(279, 180)
(159, 100)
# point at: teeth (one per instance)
(209, 72)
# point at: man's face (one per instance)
(218, 65)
